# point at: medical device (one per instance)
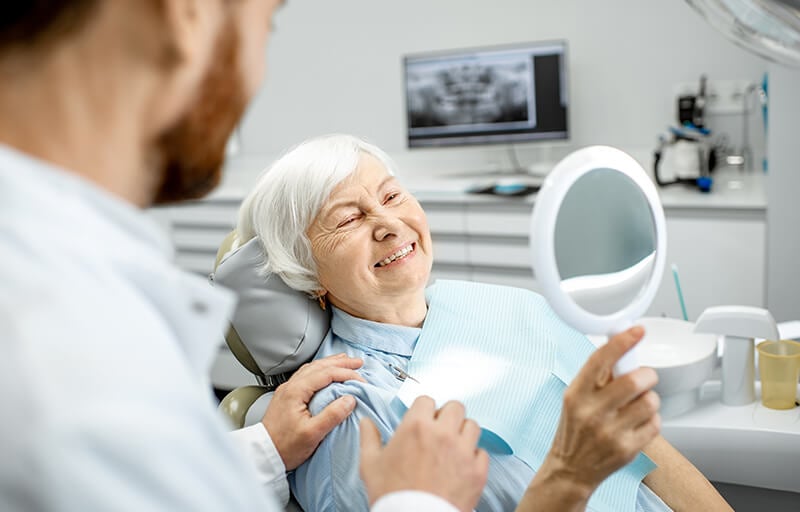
(401, 374)
(491, 95)
(702, 157)
(740, 325)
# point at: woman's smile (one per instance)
(398, 257)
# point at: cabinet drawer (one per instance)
(221, 215)
(198, 239)
(519, 278)
(446, 218)
(500, 252)
(445, 271)
(499, 219)
(449, 249)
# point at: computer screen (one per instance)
(488, 95)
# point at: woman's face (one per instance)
(371, 242)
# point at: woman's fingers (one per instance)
(597, 370)
(626, 388)
(639, 411)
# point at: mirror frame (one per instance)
(542, 238)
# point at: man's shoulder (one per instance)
(37, 289)
(65, 316)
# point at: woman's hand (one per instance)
(605, 422)
(432, 451)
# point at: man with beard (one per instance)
(108, 107)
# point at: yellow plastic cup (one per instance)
(779, 368)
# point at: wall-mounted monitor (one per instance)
(492, 95)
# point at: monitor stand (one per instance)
(513, 171)
(496, 173)
(503, 176)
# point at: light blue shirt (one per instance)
(329, 480)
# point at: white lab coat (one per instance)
(105, 348)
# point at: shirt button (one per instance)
(199, 307)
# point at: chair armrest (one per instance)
(236, 403)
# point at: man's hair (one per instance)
(36, 24)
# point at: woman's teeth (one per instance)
(399, 254)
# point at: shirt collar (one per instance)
(393, 339)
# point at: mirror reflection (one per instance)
(605, 241)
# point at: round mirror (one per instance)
(598, 242)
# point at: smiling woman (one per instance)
(336, 224)
(372, 247)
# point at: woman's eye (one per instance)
(391, 197)
(345, 222)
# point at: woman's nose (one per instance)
(386, 226)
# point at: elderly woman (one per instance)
(338, 225)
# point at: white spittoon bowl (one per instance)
(682, 359)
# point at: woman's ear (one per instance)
(322, 297)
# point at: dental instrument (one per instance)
(401, 374)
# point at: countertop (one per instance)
(745, 445)
(732, 190)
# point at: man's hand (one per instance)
(295, 433)
(433, 451)
(605, 421)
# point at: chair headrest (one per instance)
(281, 327)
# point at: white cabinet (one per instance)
(197, 229)
(491, 233)
(721, 259)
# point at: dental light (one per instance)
(770, 28)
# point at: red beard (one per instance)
(192, 152)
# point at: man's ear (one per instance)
(183, 35)
(192, 27)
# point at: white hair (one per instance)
(288, 197)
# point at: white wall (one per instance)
(335, 66)
(783, 190)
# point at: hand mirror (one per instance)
(598, 242)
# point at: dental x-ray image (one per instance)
(472, 93)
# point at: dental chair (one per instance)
(274, 328)
(273, 331)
